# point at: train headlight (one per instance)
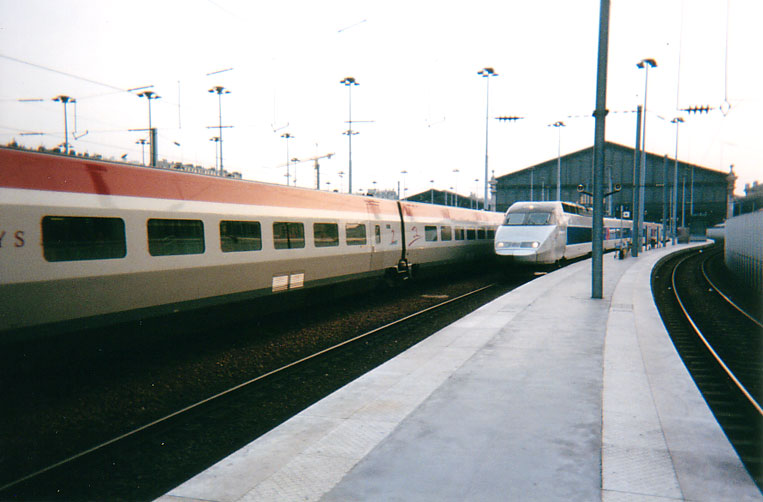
(500, 245)
(530, 244)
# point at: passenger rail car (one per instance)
(546, 233)
(92, 241)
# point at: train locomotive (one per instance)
(550, 232)
(88, 242)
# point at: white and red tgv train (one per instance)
(551, 232)
(85, 242)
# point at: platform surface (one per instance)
(543, 394)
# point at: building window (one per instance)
(288, 235)
(459, 233)
(356, 234)
(240, 236)
(446, 233)
(481, 233)
(175, 237)
(326, 234)
(471, 234)
(70, 238)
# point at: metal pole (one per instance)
(349, 82)
(674, 204)
(636, 177)
(559, 162)
(487, 112)
(220, 126)
(349, 164)
(149, 95)
(608, 174)
(220, 90)
(691, 193)
(597, 250)
(487, 73)
(287, 137)
(66, 129)
(645, 64)
(153, 150)
(664, 198)
(683, 199)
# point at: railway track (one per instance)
(150, 459)
(716, 328)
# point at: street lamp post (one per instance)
(216, 139)
(142, 143)
(403, 172)
(220, 90)
(66, 99)
(674, 199)
(486, 73)
(151, 95)
(287, 137)
(559, 124)
(645, 64)
(349, 82)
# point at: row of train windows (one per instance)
(73, 238)
(447, 233)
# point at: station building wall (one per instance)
(701, 191)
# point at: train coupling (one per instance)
(404, 270)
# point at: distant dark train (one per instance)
(93, 241)
(546, 233)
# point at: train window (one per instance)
(446, 233)
(471, 234)
(526, 218)
(578, 235)
(377, 233)
(356, 234)
(569, 208)
(175, 237)
(430, 233)
(70, 238)
(459, 234)
(481, 233)
(240, 236)
(288, 235)
(326, 234)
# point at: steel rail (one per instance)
(729, 300)
(238, 387)
(707, 344)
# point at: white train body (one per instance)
(544, 233)
(84, 240)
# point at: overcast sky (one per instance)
(420, 99)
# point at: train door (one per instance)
(379, 235)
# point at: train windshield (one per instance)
(529, 218)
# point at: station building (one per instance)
(702, 192)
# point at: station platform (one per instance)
(543, 394)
